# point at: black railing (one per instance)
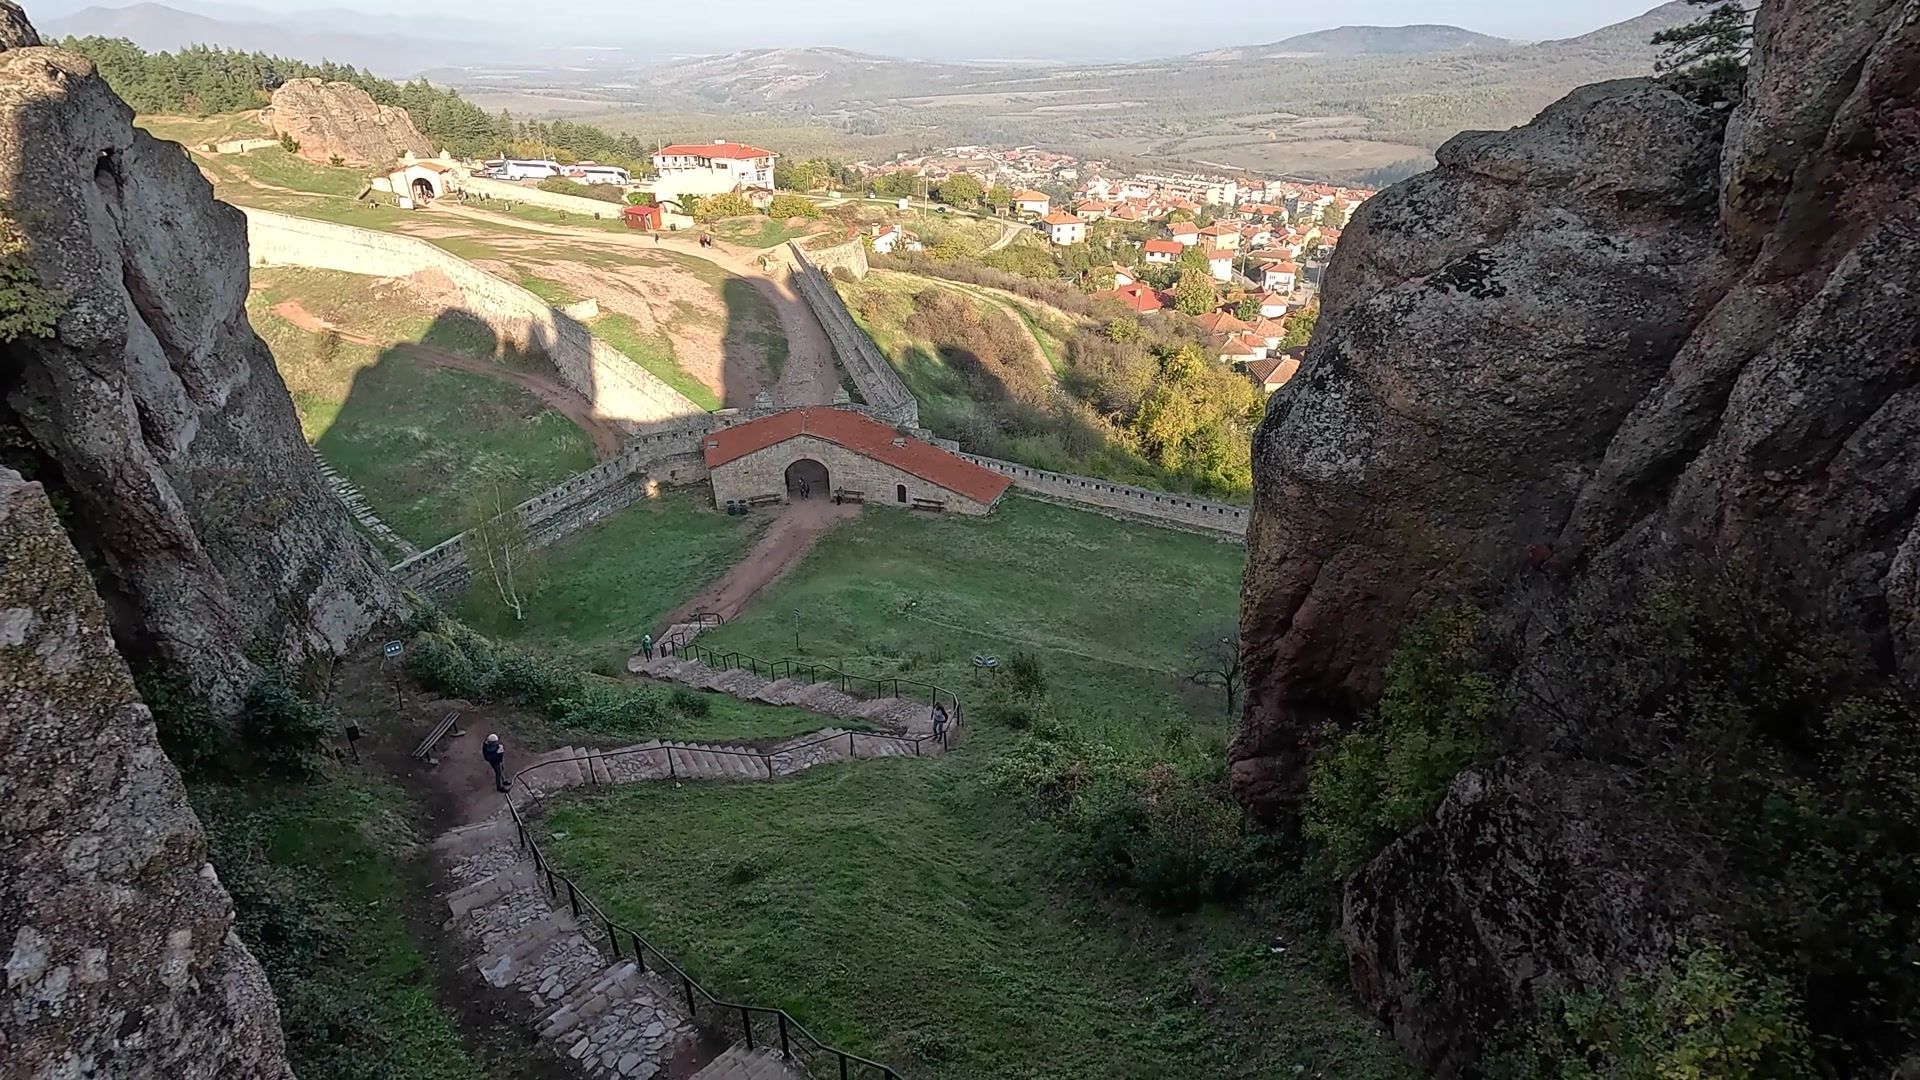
(679, 639)
(871, 686)
(755, 1025)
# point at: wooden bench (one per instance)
(936, 505)
(849, 495)
(765, 500)
(424, 751)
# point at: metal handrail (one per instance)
(789, 1032)
(791, 668)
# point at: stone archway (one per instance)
(808, 479)
(423, 189)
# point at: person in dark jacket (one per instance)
(496, 756)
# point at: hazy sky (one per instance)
(1110, 28)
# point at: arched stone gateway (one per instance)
(423, 189)
(808, 479)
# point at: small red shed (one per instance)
(641, 217)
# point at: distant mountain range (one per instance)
(1371, 41)
(389, 45)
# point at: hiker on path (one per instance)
(646, 646)
(939, 721)
(496, 756)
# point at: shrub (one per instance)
(336, 161)
(792, 206)
(288, 143)
(727, 204)
(532, 682)
(283, 729)
(190, 734)
(613, 709)
(1701, 1016)
(1388, 774)
(689, 702)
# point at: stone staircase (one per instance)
(613, 1021)
(899, 715)
(740, 1063)
(357, 505)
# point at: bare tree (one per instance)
(499, 551)
(1214, 660)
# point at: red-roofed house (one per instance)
(1272, 373)
(1123, 276)
(1093, 210)
(1220, 264)
(749, 166)
(1138, 298)
(1032, 202)
(1278, 276)
(1163, 251)
(1063, 228)
(1225, 237)
(1234, 349)
(1220, 322)
(1184, 231)
(888, 238)
(821, 452)
(1270, 331)
(1273, 305)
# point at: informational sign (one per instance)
(392, 649)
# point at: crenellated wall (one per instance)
(620, 390)
(1156, 507)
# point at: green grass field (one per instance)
(420, 442)
(320, 871)
(653, 352)
(1107, 605)
(608, 584)
(757, 231)
(906, 910)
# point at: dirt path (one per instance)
(1009, 231)
(1038, 352)
(809, 377)
(784, 544)
(607, 438)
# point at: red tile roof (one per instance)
(863, 436)
(1032, 196)
(1273, 372)
(722, 150)
(1220, 322)
(1183, 227)
(1061, 218)
(1166, 247)
(1137, 298)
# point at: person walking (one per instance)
(646, 646)
(939, 721)
(496, 756)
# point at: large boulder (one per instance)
(338, 120)
(121, 958)
(1485, 327)
(1642, 331)
(151, 407)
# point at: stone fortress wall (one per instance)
(620, 389)
(1157, 507)
(879, 384)
(764, 472)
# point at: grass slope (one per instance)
(612, 582)
(420, 442)
(906, 910)
(1108, 606)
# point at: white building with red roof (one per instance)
(747, 166)
(1032, 202)
(1063, 228)
(1162, 251)
(1186, 232)
(1278, 276)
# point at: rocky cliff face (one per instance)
(121, 958)
(333, 119)
(1639, 325)
(153, 409)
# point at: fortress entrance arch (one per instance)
(808, 479)
(423, 189)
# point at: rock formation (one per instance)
(152, 409)
(336, 119)
(1641, 324)
(121, 958)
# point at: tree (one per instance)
(899, 184)
(1247, 310)
(1334, 216)
(1300, 326)
(1193, 259)
(1213, 659)
(792, 206)
(1711, 50)
(689, 204)
(1195, 293)
(288, 144)
(960, 189)
(499, 553)
(1000, 197)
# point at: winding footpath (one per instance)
(599, 1003)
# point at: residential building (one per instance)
(1219, 264)
(1137, 298)
(1273, 372)
(1032, 202)
(748, 166)
(1093, 210)
(1221, 323)
(888, 238)
(1225, 237)
(1278, 276)
(1237, 350)
(1123, 276)
(1273, 305)
(1163, 251)
(1270, 331)
(1186, 232)
(1063, 228)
